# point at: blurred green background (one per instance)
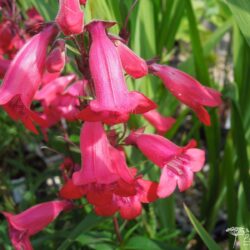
(209, 39)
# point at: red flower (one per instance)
(188, 90)
(70, 17)
(129, 206)
(23, 78)
(161, 123)
(113, 102)
(177, 163)
(33, 220)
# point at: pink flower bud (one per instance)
(70, 17)
(161, 123)
(56, 59)
(134, 65)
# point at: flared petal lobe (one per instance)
(70, 17)
(188, 90)
(24, 76)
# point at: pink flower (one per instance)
(33, 220)
(4, 65)
(161, 123)
(134, 65)
(97, 165)
(56, 59)
(23, 78)
(70, 17)
(177, 163)
(188, 90)
(113, 102)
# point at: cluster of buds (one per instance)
(100, 99)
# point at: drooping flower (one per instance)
(177, 163)
(23, 78)
(4, 65)
(134, 65)
(113, 102)
(161, 123)
(97, 165)
(56, 59)
(33, 220)
(70, 17)
(188, 90)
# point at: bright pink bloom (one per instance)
(161, 123)
(97, 165)
(4, 65)
(56, 59)
(188, 90)
(23, 78)
(113, 102)
(130, 206)
(177, 163)
(33, 220)
(134, 65)
(50, 91)
(70, 17)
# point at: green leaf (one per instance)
(89, 222)
(140, 242)
(209, 242)
(241, 13)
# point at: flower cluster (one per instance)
(100, 99)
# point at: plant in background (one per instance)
(97, 95)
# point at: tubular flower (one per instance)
(161, 123)
(56, 59)
(70, 17)
(177, 163)
(33, 220)
(113, 102)
(97, 165)
(4, 65)
(134, 65)
(23, 78)
(188, 90)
